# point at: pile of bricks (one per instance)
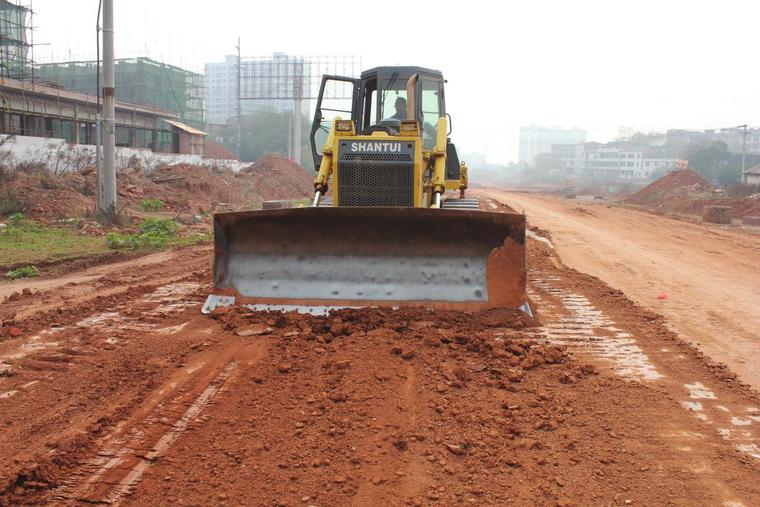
(753, 220)
(718, 214)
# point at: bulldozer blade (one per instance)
(316, 259)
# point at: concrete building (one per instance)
(537, 140)
(36, 110)
(622, 161)
(141, 81)
(221, 92)
(265, 82)
(611, 161)
(751, 176)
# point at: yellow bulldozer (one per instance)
(389, 224)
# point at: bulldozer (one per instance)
(389, 223)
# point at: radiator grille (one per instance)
(376, 179)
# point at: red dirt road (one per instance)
(709, 274)
(121, 392)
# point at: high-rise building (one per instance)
(221, 91)
(535, 140)
(264, 82)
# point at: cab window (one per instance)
(393, 99)
(430, 108)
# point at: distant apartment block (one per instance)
(221, 91)
(611, 161)
(535, 141)
(272, 79)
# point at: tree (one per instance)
(266, 130)
(711, 161)
(715, 163)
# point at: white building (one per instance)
(270, 80)
(537, 140)
(221, 91)
(615, 161)
(751, 176)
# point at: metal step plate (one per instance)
(461, 204)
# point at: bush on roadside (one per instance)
(152, 205)
(23, 272)
(153, 233)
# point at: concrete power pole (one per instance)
(298, 72)
(744, 148)
(107, 204)
(239, 107)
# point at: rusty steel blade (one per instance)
(339, 257)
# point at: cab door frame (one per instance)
(316, 123)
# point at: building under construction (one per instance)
(141, 81)
(15, 46)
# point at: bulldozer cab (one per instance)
(379, 101)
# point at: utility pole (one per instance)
(107, 204)
(744, 147)
(98, 117)
(239, 109)
(297, 101)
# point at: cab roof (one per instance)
(403, 71)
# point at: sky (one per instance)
(598, 65)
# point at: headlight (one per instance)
(344, 126)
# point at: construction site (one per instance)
(373, 325)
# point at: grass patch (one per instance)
(24, 241)
(152, 205)
(25, 272)
(154, 233)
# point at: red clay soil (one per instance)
(676, 184)
(184, 189)
(686, 192)
(120, 391)
(218, 151)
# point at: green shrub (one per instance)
(25, 272)
(152, 205)
(153, 233)
(162, 226)
(118, 241)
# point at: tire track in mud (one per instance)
(134, 446)
(120, 464)
(572, 320)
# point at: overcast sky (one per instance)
(599, 65)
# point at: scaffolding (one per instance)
(140, 81)
(284, 78)
(287, 81)
(16, 38)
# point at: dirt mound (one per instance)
(280, 177)
(686, 192)
(674, 185)
(183, 189)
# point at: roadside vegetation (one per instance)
(154, 233)
(152, 205)
(24, 241)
